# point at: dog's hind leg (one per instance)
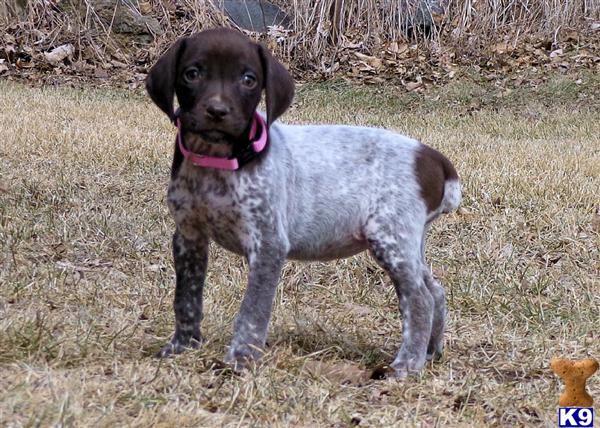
(436, 342)
(191, 259)
(435, 348)
(397, 249)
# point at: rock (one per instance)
(416, 16)
(127, 19)
(254, 15)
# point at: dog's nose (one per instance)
(217, 111)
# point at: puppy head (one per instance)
(218, 76)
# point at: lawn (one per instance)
(87, 279)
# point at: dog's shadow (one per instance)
(323, 344)
(313, 341)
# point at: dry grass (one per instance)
(86, 276)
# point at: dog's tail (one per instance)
(439, 182)
(452, 189)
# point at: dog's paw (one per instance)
(434, 354)
(388, 372)
(175, 347)
(404, 374)
(435, 349)
(405, 367)
(240, 357)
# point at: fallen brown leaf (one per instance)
(369, 60)
(411, 86)
(596, 222)
(464, 211)
(556, 53)
(338, 373)
(360, 310)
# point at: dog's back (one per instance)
(340, 175)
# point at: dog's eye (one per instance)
(249, 80)
(192, 74)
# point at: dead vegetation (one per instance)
(87, 281)
(505, 41)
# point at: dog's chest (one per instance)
(220, 206)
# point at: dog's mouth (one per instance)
(211, 138)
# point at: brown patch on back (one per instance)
(432, 170)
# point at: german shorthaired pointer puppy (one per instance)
(272, 191)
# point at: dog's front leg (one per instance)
(252, 321)
(191, 258)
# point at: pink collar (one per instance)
(235, 162)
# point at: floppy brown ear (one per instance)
(160, 82)
(278, 84)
